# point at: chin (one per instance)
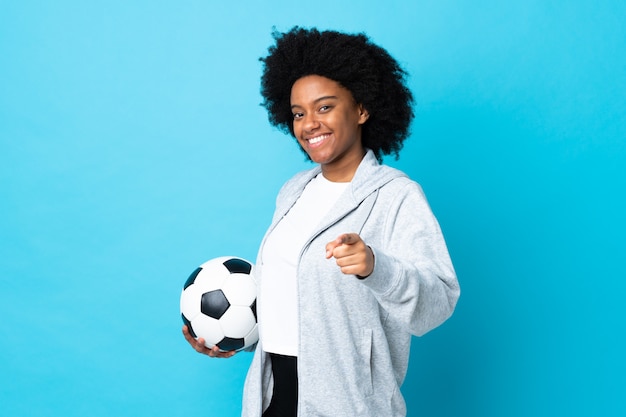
(321, 161)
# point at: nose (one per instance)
(310, 122)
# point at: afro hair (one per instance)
(374, 78)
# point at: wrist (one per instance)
(371, 261)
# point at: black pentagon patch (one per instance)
(228, 344)
(253, 308)
(188, 324)
(192, 278)
(238, 266)
(214, 304)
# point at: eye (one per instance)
(324, 109)
(297, 116)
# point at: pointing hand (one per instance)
(352, 255)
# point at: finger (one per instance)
(349, 238)
(201, 346)
(343, 239)
(347, 259)
(331, 246)
(215, 352)
(228, 354)
(197, 344)
(359, 263)
(188, 335)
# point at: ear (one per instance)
(363, 114)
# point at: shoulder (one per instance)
(383, 177)
(395, 189)
(403, 184)
(371, 175)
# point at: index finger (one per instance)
(343, 239)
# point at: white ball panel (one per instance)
(212, 276)
(252, 337)
(240, 289)
(237, 322)
(190, 301)
(217, 261)
(207, 328)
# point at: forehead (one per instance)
(314, 87)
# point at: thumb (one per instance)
(348, 238)
(343, 239)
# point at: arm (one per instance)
(411, 275)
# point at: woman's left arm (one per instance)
(409, 269)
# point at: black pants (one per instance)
(285, 395)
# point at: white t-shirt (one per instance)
(278, 310)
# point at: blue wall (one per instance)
(128, 134)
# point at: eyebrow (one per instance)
(317, 100)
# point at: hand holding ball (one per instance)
(218, 304)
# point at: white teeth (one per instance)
(317, 139)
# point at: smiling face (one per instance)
(327, 123)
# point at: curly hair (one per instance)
(374, 78)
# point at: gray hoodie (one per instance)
(355, 334)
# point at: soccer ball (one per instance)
(218, 303)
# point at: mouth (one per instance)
(317, 139)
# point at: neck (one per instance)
(343, 172)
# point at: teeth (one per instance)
(317, 139)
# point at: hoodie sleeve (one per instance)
(413, 277)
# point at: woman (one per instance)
(354, 262)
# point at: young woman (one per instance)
(354, 262)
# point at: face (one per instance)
(327, 123)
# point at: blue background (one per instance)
(133, 148)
